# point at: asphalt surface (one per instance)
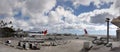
(72, 45)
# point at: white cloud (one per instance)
(5, 8)
(54, 18)
(39, 6)
(59, 19)
(68, 14)
(97, 3)
(76, 3)
(115, 8)
(84, 20)
(96, 16)
(34, 9)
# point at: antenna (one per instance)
(119, 11)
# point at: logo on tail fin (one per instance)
(44, 32)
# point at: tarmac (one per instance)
(73, 45)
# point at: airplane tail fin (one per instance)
(86, 33)
(44, 32)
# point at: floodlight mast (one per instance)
(107, 20)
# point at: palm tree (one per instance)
(10, 22)
(11, 27)
(5, 24)
(1, 23)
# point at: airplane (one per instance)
(94, 36)
(35, 37)
(38, 33)
(85, 32)
(98, 39)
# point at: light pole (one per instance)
(107, 20)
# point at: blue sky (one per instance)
(81, 9)
(61, 16)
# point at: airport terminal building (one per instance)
(116, 22)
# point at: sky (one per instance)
(61, 16)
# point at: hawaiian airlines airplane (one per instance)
(38, 33)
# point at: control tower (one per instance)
(116, 22)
